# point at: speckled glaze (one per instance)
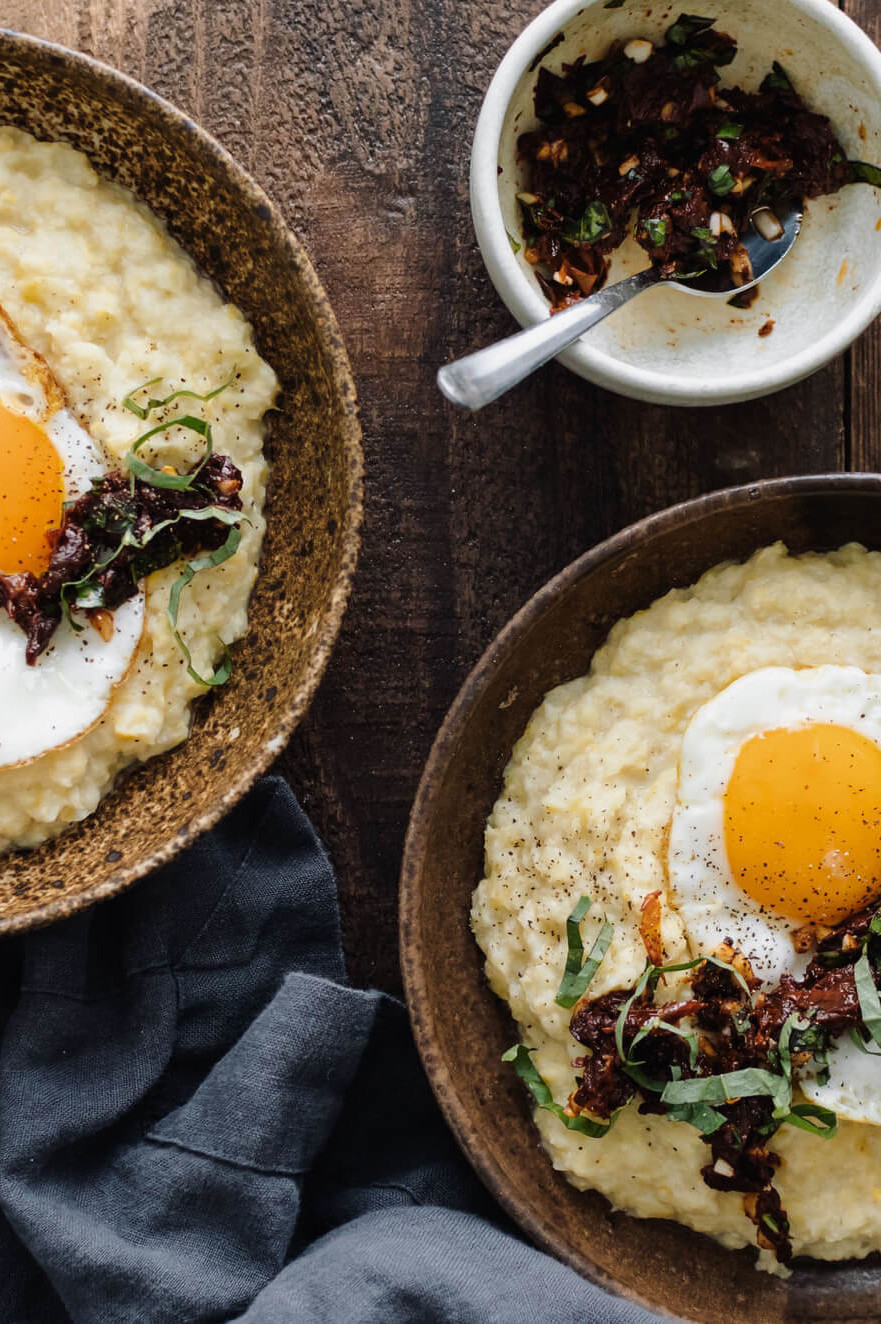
(313, 509)
(462, 1029)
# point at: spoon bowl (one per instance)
(764, 253)
(482, 377)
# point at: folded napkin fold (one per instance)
(200, 1120)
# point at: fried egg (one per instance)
(777, 824)
(853, 1089)
(47, 459)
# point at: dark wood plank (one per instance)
(357, 118)
(513, 495)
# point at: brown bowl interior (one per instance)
(237, 238)
(462, 1029)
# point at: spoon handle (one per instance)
(482, 377)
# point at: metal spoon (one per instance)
(482, 377)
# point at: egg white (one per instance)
(853, 1089)
(68, 689)
(711, 905)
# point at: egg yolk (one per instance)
(31, 494)
(803, 822)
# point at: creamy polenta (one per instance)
(97, 286)
(585, 811)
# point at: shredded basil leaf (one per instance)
(593, 225)
(825, 1122)
(613, 4)
(730, 131)
(633, 1067)
(78, 586)
(658, 1023)
(751, 1082)
(686, 27)
(721, 181)
(860, 1042)
(730, 970)
(144, 411)
(178, 482)
(778, 80)
(861, 172)
(656, 231)
(538, 1088)
(579, 972)
(870, 1003)
(515, 247)
(648, 975)
(191, 568)
(699, 1115)
(790, 1025)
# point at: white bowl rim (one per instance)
(526, 303)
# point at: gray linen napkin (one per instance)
(200, 1120)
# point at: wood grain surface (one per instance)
(356, 116)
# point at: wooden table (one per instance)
(356, 116)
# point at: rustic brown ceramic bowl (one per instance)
(314, 508)
(462, 1029)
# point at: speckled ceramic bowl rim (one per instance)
(350, 536)
(527, 305)
(416, 986)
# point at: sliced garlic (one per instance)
(639, 50)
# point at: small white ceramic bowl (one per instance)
(666, 346)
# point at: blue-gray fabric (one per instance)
(200, 1120)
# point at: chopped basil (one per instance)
(144, 411)
(89, 597)
(825, 1124)
(863, 173)
(613, 4)
(870, 1003)
(777, 80)
(155, 477)
(515, 247)
(729, 970)
(790, 1025)
(633, 1067)
(658, 1023)
(648, 979)
(686, 27)
(706, 251)
(76, 588)
(751, 1082)
(729, 131)
(594, 224)
(579, 972)
(538, 1088)
(721, 181)
(699, 1115)
(534, 216)
(191, 568)
(656, 231)
(860, 1042)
